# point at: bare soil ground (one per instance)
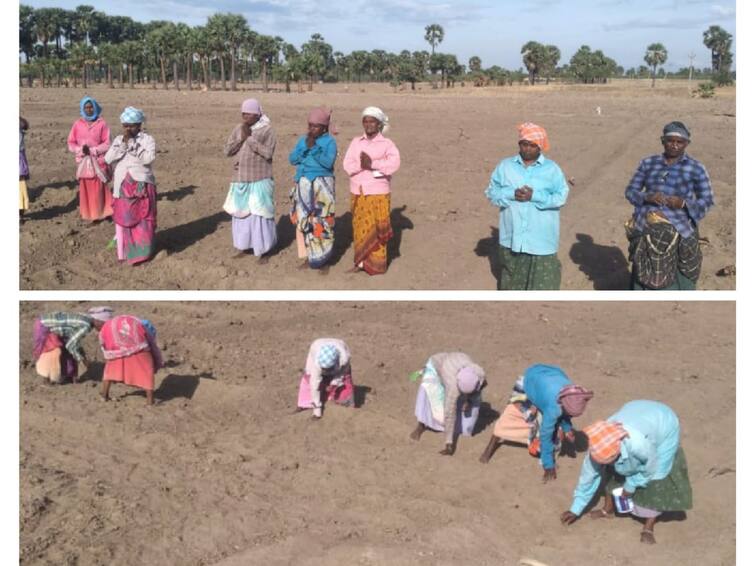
(450, 142)
(222, 472)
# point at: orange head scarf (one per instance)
(535, 134)
(605, 440)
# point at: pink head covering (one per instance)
(535, 134)
(467, 380)
(573, 399)
(251, 106)
(321, 116)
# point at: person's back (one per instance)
(542, 384)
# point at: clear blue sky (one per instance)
(494, 30)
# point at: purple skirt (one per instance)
(23, 165)
(254, 232)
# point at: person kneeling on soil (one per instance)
(131, 354)
(449, 397)
(57, 342)
(638, 445)
(539, 415)
(327, 373)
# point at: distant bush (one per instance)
(705, 90)
(722, 78)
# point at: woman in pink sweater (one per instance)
(370, 162)
(88, 141)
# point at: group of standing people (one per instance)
(127, 161)
(670, 192)
(370, 162)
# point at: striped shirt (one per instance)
(686, 178)
(253, 156)
(71, 327)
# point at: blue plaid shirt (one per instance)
(686, 178)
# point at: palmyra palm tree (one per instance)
(655, 55)
(434, 35)
(718, 40)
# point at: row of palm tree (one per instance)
(85, 44)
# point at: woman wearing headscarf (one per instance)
(313, 197)
(529, 189)
(131, 354)
(89, 141)
(370, 162)
(57, 342)
(539, 414)
(449, 397)
(327, 375)
(250, 200)
(638, 447)
(134, 193)
(23, 166)
(671, 194)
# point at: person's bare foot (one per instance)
(104, 397)
(484, 458)
(262, 260)
(324, 270)
(355, 269)
(647, 537)
(239, 255)
(417, 432)
(303, 265)
(601, 514)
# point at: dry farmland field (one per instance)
(222, 472)
(446, 231)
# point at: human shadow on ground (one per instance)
(177, 194)
(399, 223)
(183, 236)
(180, 386)
(94, 372)
(286, 233)
(488, 248)
(53, 211)
(486, 417)
(344, 237)
(36, 191)
(360, 394)
(605, 266)
(580, 445)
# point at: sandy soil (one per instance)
(222, 472)
(450, 142)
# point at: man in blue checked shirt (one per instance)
(671, 193)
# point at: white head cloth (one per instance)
(379, 115)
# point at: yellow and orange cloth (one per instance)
(372, 229)
(535, 134)
(605, 440)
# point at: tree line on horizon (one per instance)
(84, 46)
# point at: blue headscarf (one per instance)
(97, 109)
(132, 115)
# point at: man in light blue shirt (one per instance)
(530, 190)
(641, 444)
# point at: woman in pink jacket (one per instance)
(88, 141)
(370, 162)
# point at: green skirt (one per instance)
(525, 272)
(672, 493)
